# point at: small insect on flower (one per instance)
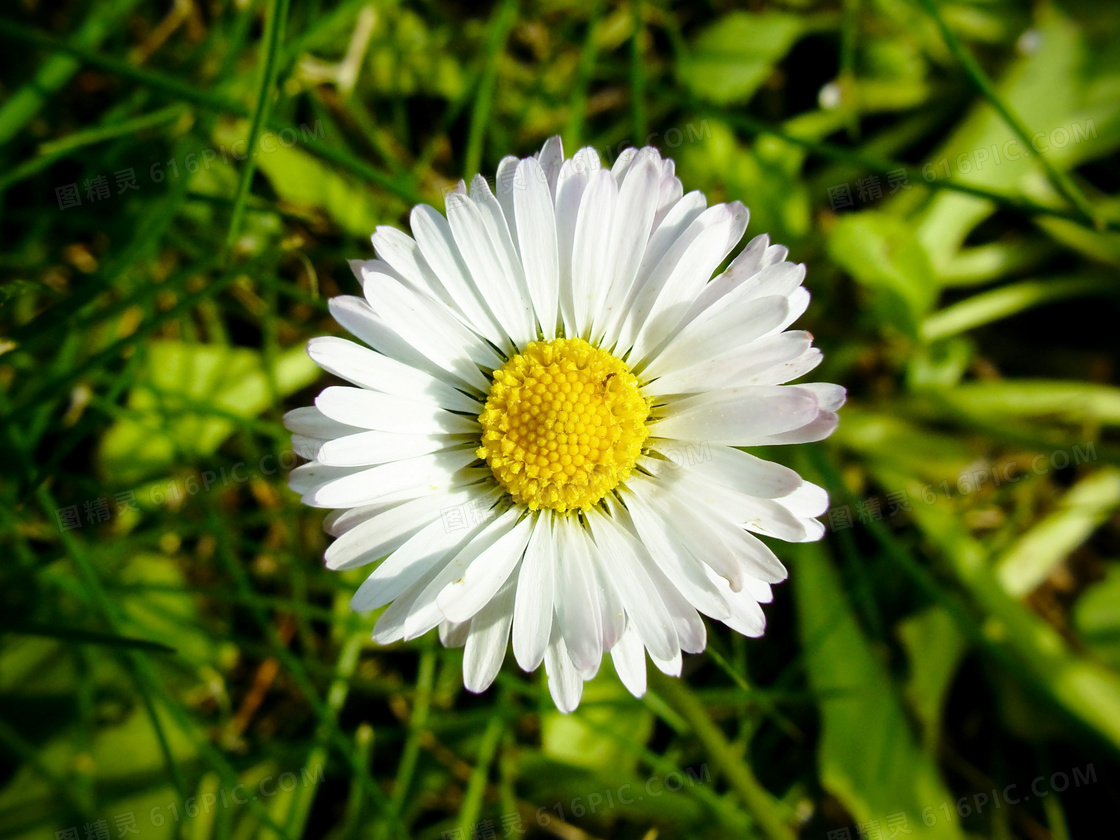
(546, 439)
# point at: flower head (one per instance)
(546, 439)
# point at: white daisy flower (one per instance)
(545, 440)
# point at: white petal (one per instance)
(308, 477)
(737, 416)
(570, 184)
(673, 557)
(798, 303)
(807, 500)
(592, 270)
(629, 658)
(624, 564)
(711, 336)
(743, 281)
(358, 318)
(430, 327)
(430, 472)
(369, 369)
(730, 468)
(487, 642)
(453, 634)
(338, 522)
(374, 447)
(400, 251)
(389, 413)
(488, 262)
(390, 626)
(306, 447)
(506, 187)
(698, 259)
(666, 232)
(670, 666)
(610, 604)
(533, 608)
(387, 531)
(564, 682)
(437, 243)
(536, 230)
(410, 562)
(484, 574)
(311, 422)
(577, 599)
(772, 360)
(633, 223)
(819, 428)
(551, 158)
(622, 164)
(691, 634)
(502, 235)
(830, 397)
(669, 194)
(781, 373)
(426, 612)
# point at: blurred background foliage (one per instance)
(174, 660)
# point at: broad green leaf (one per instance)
(1028, 562)
(868, 756)
(171, 402)
(1062, 85)
(906, 447)
(164, 616)
(881, 252)
(1062, 400)
(935, 647)
(996, 304)
(1084, 689)
(303, 180)
(940, 364)
(570, 738)
(768, 173)
(1096, 615)
(730, 59)
(128, 764)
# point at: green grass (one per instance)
(174, 656)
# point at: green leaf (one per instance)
(1062, 400)
(935, 647)
(570, 738)
(906, 447)
(1032, 558)
(1096, 615)
(730, 59)
(868, 755)
(187, 400)
(1079, 685)
(301, 179)
(1064, 84)
(882, 253)
(165, 616)
(130, 770)
(769, 172)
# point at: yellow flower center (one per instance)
(563, 425)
